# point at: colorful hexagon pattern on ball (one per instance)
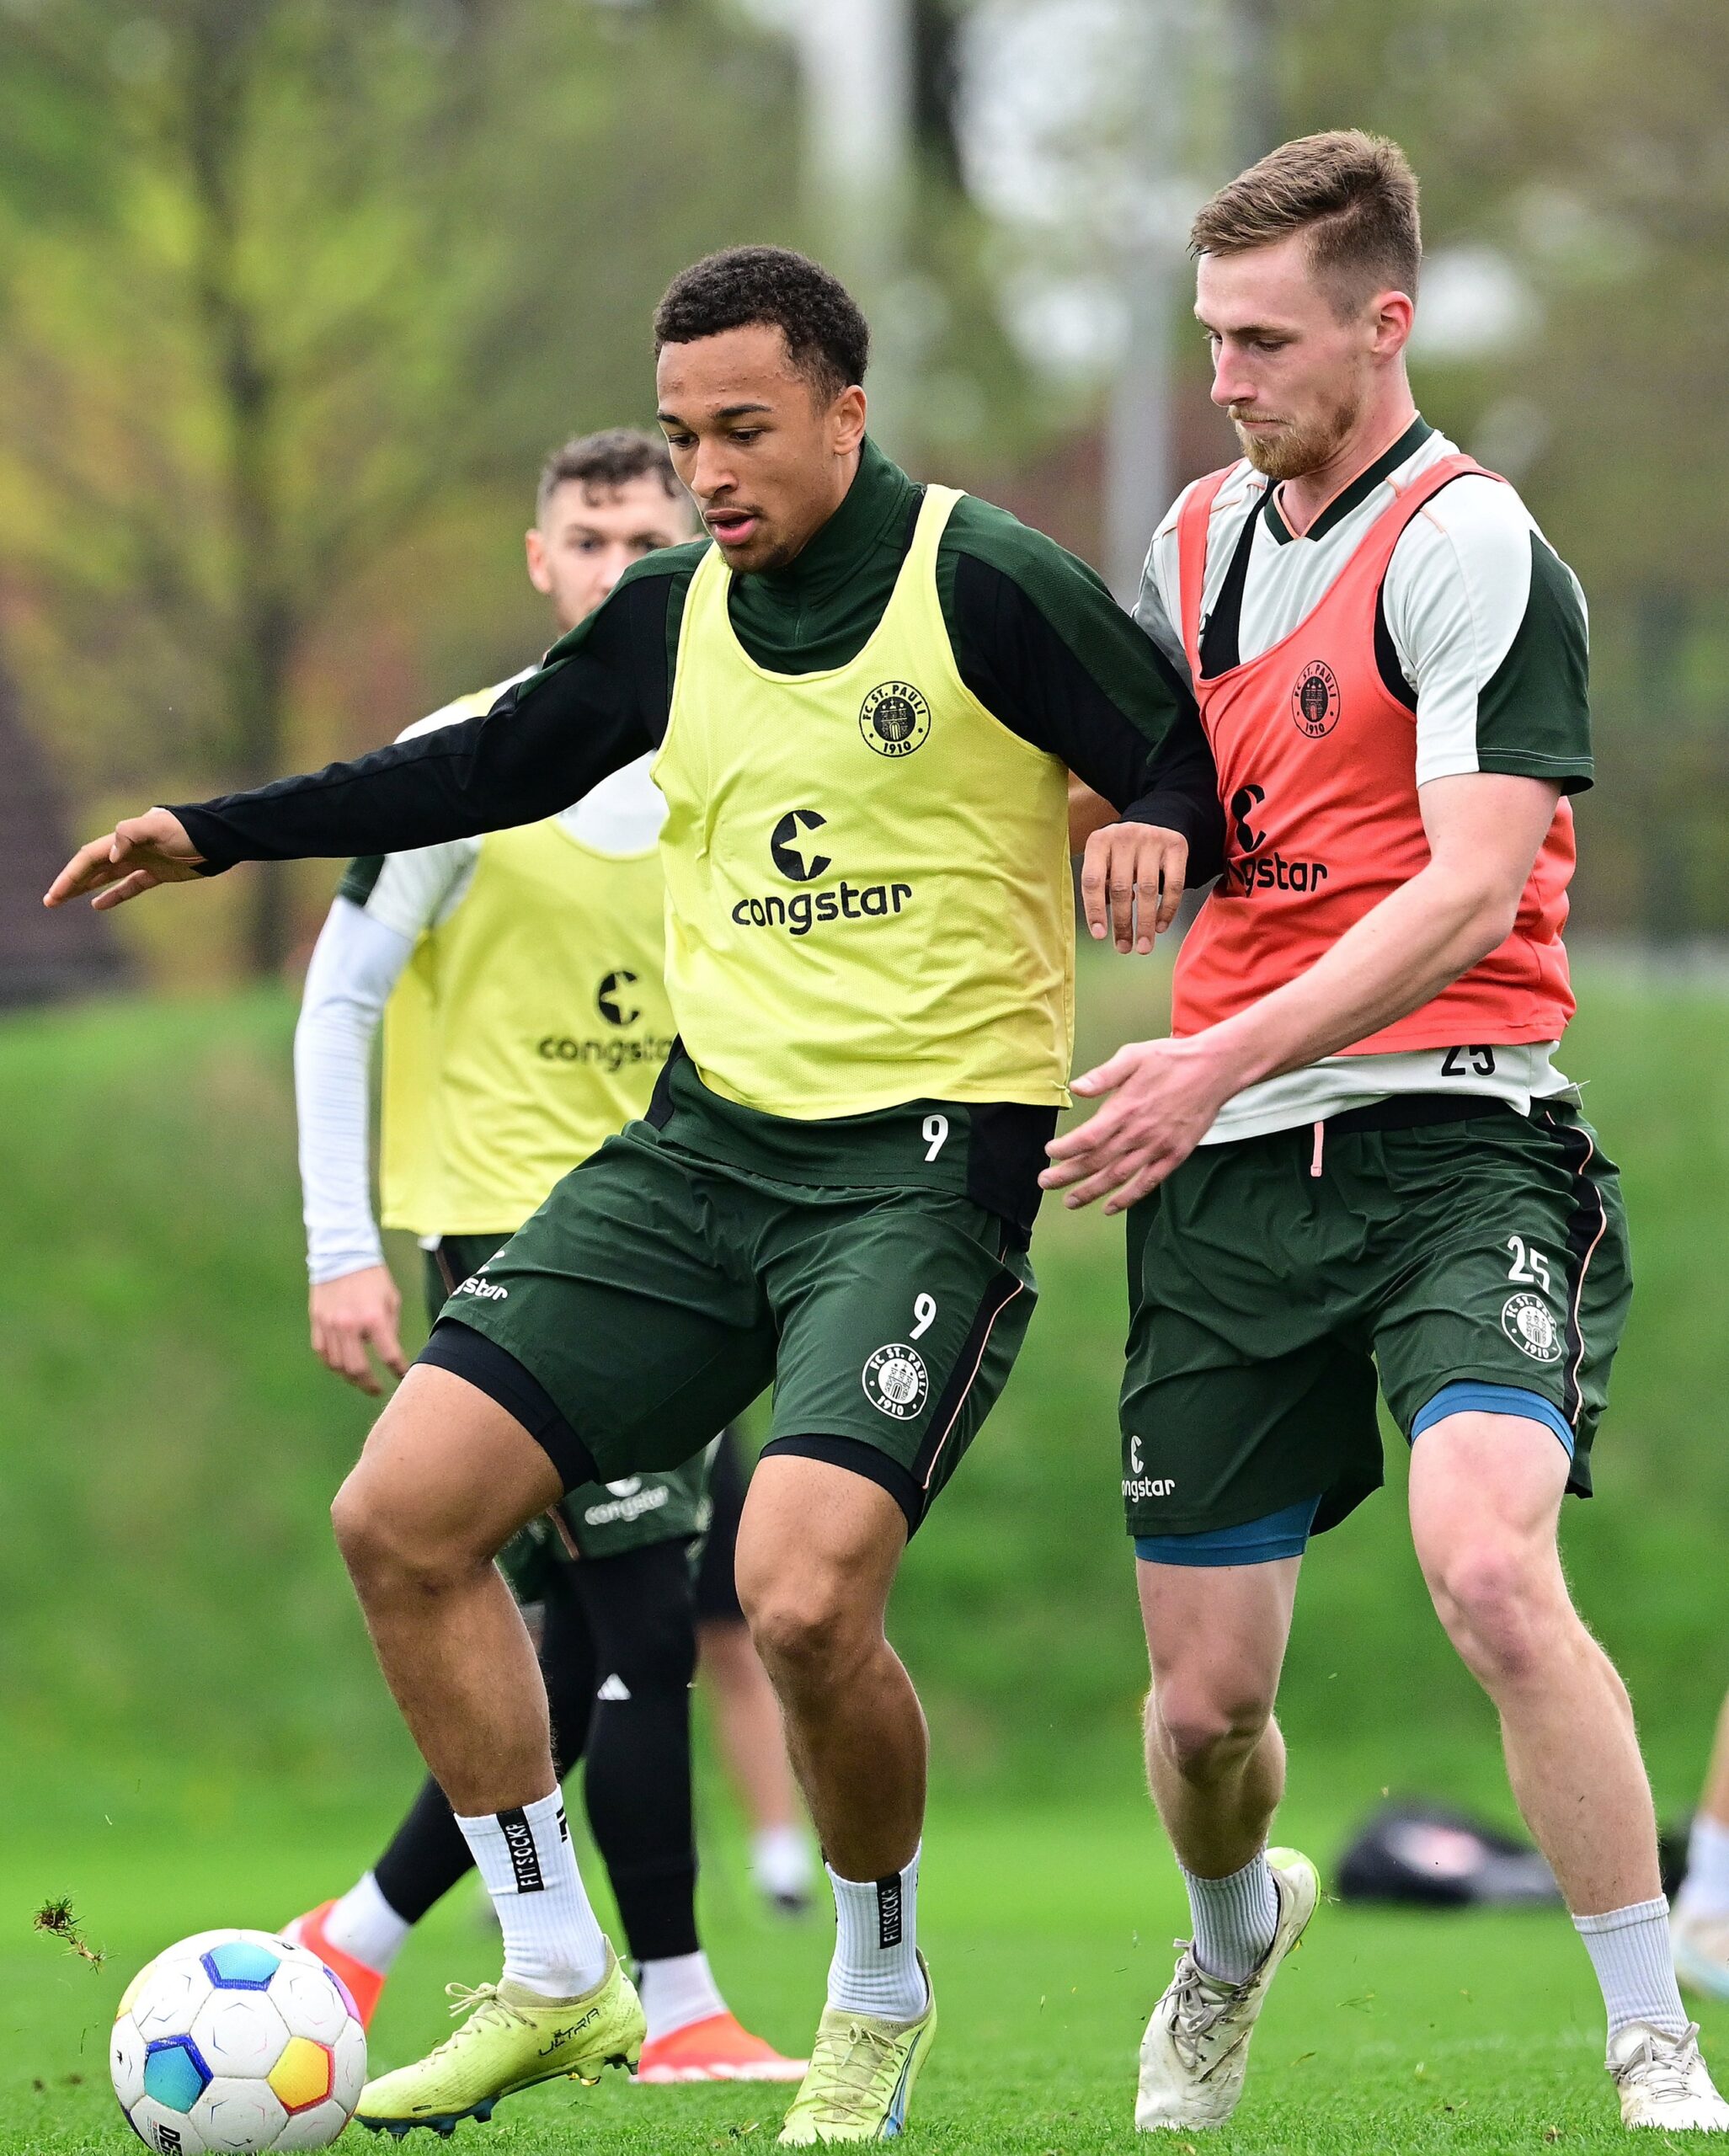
(234, 2043)
(304, 2075)
(175, 2075)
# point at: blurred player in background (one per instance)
(1699, 1933)
(747, 1720)
(1357, 1155)
(518, 978)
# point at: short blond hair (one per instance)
(1355, 194)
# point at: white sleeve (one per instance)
(413, 891)
(356, 964)
(1160, 597)
(1458, 595)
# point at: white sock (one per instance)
(1629, 1951)
(363, 1923)
(1704, 1891)
(677, 1990)
(552, 1942)
(1235, 1919)
(780, 1862)
(876, 1965)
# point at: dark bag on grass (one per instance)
(1440, 1859)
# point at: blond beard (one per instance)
(1289, 455)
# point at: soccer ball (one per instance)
(234, 2041)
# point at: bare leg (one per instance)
(1701, 1934)
(1713, 1801)
(818, 1548)
(445, 1479)
(1215, 1759)
(748, 1723)
(1486, 1493)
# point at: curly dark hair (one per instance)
(600, 464)
(828, 339)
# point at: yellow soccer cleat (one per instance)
(511, 2039)
(861, 2076)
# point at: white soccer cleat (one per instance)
(1701, 1946)
(1663, 2082)
(1196, 2050)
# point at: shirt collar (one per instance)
(873, 506)
(1358, 492)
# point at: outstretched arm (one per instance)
(545, 743)
(1484, 831)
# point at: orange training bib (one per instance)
(1317, 768)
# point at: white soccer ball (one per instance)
(234, 2042)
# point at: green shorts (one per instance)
(1266, 1299)
(596, 1519)
(660, 1289)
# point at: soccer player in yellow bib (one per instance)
(519, 981)
(864, 694)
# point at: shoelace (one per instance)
(473, 2000)
(868, 2053)
(1199, 2008)
(1667, 2073)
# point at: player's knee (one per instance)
(385, 1547)
(1204, 1727)
(804, 1628)
(1495, 1597)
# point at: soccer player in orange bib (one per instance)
(1356, 1158)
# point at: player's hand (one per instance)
(1161, 1097)
(350, 1316)
(133, 857)
(1088, 812)
(1131, 882)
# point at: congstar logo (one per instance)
(1253, 865)
(614, 1002)
(806, 910)
(614, 1005)
(794, 866)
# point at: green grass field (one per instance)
(195, 1733)
(1049, 1931)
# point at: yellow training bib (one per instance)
(528, 1027)
(867, 874)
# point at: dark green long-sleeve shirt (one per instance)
(1037, 637)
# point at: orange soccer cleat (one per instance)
(366, 1985)
(715, 2049)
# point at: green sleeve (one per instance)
(1533, 713)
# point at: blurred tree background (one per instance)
(294, 294)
